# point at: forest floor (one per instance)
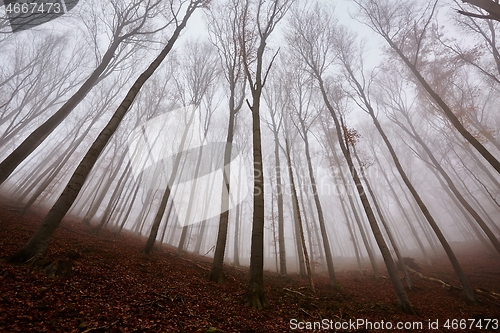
(112, 287)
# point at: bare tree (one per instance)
(223, 25)
(276, 106)
(300, 96)
(409, 129)
(425, 211)
(130, 22)
(395, 22)
(39, 242)
(254, 35)
(295, 202)
(312, 37)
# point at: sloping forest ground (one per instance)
(112, 287)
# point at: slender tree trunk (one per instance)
(319, 209)
(279, 188)
(382, 220)
(273, 223)
(181, 246)
(237, 225)
(403, 211)
(216, 272)
(491, 236)
(37, 245)
(351, 232)
(451, 255)
(295, 202)
(131, 205)
(464, 214)
(364, 237)
(446, 109)
(419, 216)
(308, 230)
(113, 201)
(401, 295)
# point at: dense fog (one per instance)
(289, 136)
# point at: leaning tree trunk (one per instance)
(40, 134)
(296, 229)
(321, 219)
(364, 237)
(216, 272)
(39, 242)
(491, 236)
(451, 255)
(295, 203)
(446, 109)
(351, 232)
(401, 295)
(403, 211)
(381, 217)
(166, 194)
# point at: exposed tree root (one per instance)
(493, 297)
(295, 292)
(196, 264)
(255, 297)
(443, 283)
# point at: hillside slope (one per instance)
(112, 287)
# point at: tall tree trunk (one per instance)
(466, 217)
(38, 136)
(131, 205)
(451, 255)
(255, 295)
(166, 194)
(319, 209)
(491, 236)
(446, 109)
(113, 201)
(105, 190)
(236, 244)
(419, 216)
(354, 210)
(279, 188)
(37, 245)
(351, 232)
(216, 272)
(401, 295)
(403, 211)
(308, 230)
(382, 220)
(295, 202)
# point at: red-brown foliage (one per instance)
(115, 288)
